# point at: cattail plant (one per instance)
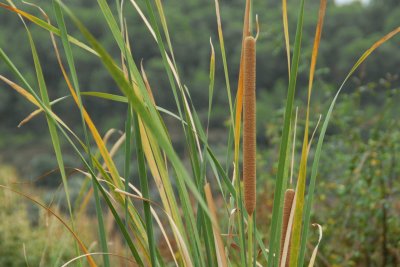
(249, 125)
(287, 208)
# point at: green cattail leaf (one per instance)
(283, 149)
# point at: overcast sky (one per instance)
(349, 1)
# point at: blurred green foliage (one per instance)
(358, 185)
(359, 188)
(24, 240)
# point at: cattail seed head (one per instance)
(287, 208)
(249, 124)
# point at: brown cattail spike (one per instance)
(249, 124)
(287, 208)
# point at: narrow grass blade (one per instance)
(43, 24)
(98, 253)
(212, 81)
(38, 111)
(223, 54)
(163, 20)
(222, 261)
(107, 96)
(286, 32)
(239, 93)
(315, 251)
(145, 191)
(21, 91)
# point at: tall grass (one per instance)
(193, 225)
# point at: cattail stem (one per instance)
(250, 233)
(249, 124)
(287, 208)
